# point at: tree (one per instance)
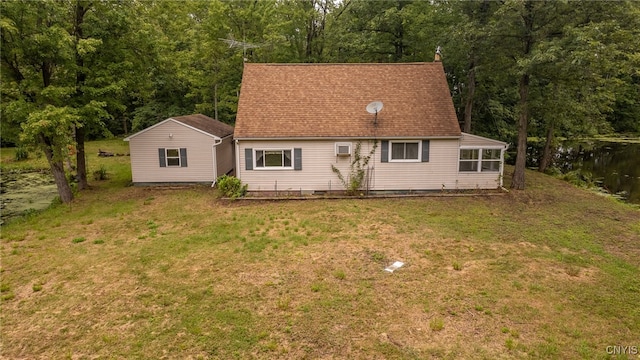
(36, 55)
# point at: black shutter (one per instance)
(385, 151)
(425, 150)
(248, 159)
(297, 159)
(183, 157)
(161, 156)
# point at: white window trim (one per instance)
(268, 168)
(479, 159)
(166, 157)
(391, 159)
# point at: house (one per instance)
(182, 149)
(296, 121)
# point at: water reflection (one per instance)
(615, 166)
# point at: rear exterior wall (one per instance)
(318, 156)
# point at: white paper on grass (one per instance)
(396, 265)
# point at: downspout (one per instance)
(237, 158)
(216, 142)
(502, 165)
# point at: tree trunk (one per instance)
(81, 162)
(517, 181)
(468, 106)
(545, 161)
(57, 169)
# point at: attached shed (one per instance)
(183, 149)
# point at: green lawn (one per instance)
(129, 272)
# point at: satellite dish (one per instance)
(374, 107)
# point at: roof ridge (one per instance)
(354, 64)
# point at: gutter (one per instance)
(452, 137)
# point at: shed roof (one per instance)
(198, 122)
(329, 100)
(206, 124)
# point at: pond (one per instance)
(613, 166)
(25, 191)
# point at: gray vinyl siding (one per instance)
(145, 166)
(225, 156)
(319, 155)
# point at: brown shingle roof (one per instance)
(206, 124)
(329, 100)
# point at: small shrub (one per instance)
(99, 241)
(101, 174)
(231, 187)
(21, 153)
(457, 266)
(37, 287)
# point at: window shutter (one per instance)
(425, 150)
(297, 159)
(183, 157)
(161, 156)
(385, 151)
(248, 159)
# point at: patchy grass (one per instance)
(550, 272)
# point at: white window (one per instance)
(405, 151)
(273, 159)
(490, 160)
(485, 160)
(173, 157)
(343, 149)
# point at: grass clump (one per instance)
(436, 324)
(78, 240)
(101, 174)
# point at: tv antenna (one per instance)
(233, 43)
(374, 107)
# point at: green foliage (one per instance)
(231, 186)
(355, 179)
(578, 178)
(101, 174)
(21, 153)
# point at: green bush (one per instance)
(21, 153)
(100, 174)
(231, 187)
